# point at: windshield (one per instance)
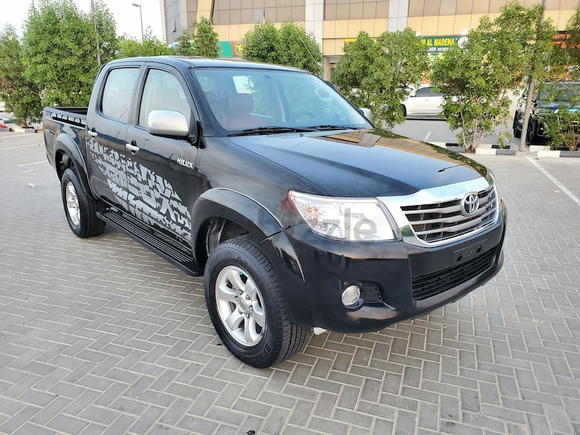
(269, 101)
(560, 92)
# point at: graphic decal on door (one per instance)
(110, 163)
(150, 197)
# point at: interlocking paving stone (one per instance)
(102, 336)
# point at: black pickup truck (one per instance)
(266, 180)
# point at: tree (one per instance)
(477, 77)
(183, 45)
(290, 46)
(570, 49)
(149, 46)
(107, 32)
(205, 41)
(60, 51)
(538, 53)
(377, 74)
(261, 44)
(299, 49)
(20, 96)
(561, 117)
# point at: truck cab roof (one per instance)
(202, 62)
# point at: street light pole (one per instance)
(137, 5)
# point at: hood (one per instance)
(364, 163)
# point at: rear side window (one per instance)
(118, 91)
(426, 92)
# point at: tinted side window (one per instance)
(118, 91)
(162, 92)
(426, 92)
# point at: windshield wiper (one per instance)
(269, 130)
(325, 127)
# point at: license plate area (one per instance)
(469, 253)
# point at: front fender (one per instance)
(236, 207)
(263, 227)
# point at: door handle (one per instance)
(132, 147)
(93, 132)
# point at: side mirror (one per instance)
(168, 123)
(367, 113)
(413, 94)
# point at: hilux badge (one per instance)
(469, 204)
(185, 163)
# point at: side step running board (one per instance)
(172, 253)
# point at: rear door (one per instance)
(161, 171)
(427, 102)
(107, 126)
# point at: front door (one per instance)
(161, 171)
(106, 136)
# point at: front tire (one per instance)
(245, 304)
(79, 207)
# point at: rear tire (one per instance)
(245, 304)
(530, 136)
(79, 207)
(517, 131)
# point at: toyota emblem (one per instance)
(469, 204)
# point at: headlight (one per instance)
(343, 218)
(494, 183)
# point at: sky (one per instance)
(126, 16)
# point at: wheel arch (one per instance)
(235, 212)
(67, 155)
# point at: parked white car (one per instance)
(423, 102)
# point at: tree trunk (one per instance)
(527, 111)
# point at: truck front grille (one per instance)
(432, 284)
(444, 220)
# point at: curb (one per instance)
(495, 151)
(557, 154)
(26, 130)
(487, 150)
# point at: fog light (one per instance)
(351, 296)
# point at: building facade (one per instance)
(334, 23)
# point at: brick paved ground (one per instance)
(103, 336)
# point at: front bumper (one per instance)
(400, 281)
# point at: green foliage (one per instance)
(559, 113)
(261, 43)
(562, 125)
(205, 41)
(150, 46)
(377, 74)
(289, 46)
(183, 45)
(566, 56)
(21, 96)
(107, 32)
(562, 128)
(299, 49)
(59, 49)
(499, 55)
